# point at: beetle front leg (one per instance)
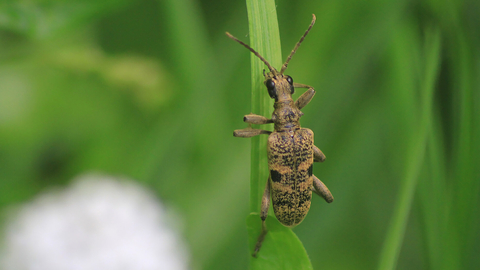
(249, 132)
(263, 216)
(306, 97)
(318, 155)
(256, 119)
(321, 190)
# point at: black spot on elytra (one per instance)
(310, 170)
(276, 176)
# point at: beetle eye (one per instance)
(289, 80)
(271, 88)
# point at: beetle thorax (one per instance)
(286, 115)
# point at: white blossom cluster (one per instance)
(100, 222)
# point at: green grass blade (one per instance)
(465, 191)
(281, 248)
(396, 231)
(265, 39)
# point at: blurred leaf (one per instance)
(281, 248)
(416, 153)
(153, 91)
(45, 18)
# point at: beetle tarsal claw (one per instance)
(260, 239)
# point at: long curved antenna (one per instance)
(284, 67)
(272, 69)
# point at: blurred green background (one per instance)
(153, 90)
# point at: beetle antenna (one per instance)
(254, 52)
(284, 67)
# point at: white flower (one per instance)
(100, 222)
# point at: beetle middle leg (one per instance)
(318, 155)
(321, 190)
(249, 132)
(263, 215)
(256, 119)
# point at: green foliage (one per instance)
(281, 250)
(153, 90)
(416, 151)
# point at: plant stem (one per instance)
(265, 39)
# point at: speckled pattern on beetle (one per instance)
(291, 149)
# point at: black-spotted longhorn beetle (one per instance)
(290, 149)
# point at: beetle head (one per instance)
(279, 86)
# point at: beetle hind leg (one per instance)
(263, 215)
(260, 239)
(321, 190)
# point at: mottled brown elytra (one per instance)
(291, 151)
